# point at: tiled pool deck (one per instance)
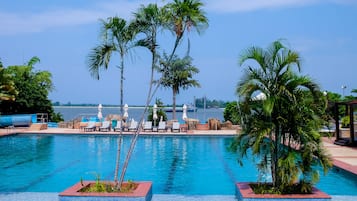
(343, 157)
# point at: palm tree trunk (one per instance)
(173, 104)
(177, 41)
(275, 157)
(135, 137)
(117, 162)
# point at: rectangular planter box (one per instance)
(142, 193)
(245, 193)
(202, 127)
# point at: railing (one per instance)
(72, 123)
(42, 117)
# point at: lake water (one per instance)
(72, 112)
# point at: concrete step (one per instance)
(38, 127)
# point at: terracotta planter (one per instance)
(245, 193)
(142, 193)
(202, 127)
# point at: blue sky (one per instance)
(62, 32)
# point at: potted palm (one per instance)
(180, 17)
(118, 38)
(280, 125)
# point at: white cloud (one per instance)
(30, 22)
(252, 5)
(231, 6)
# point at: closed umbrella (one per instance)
(100, 115)
(125, 115)
(154, 115)
(184, 112)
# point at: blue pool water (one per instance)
(176, 165)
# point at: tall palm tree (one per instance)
(117, 36)
(147, 20)
(285, 115)
(8, 90)
(182, 16)
(177, 74)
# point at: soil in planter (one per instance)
(108, 187)
(268, 188)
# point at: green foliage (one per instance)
(282, 127)
(177, 74)
(160, 113)
(8, 90)
(231, 113)
(345, 121)
(200, 102)
(33, 88)
(101, 187)
(268, 188)
(56, 117)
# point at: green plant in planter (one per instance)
(107, 187)
(345, 121)
(282, 127)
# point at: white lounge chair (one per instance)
(133, 126)
(105, 126)
(118, 126)
(162, 126)
(175, 127)
(148, 126)
(90, 127)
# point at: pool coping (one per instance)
(143, 192)
(244, 191)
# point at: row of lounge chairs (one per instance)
(147, 126)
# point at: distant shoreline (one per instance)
(130, 107)
(92, 106)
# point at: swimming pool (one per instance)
(194, 165)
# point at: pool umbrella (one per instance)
(184, 112)
(125, 115)
(260, 96)
(100, 115)
(154, 115)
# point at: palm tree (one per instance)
(8, 90)
(286, 115)
(182, 16)
(177, 74)
(148, 21)
(354, 91)
(117, 37)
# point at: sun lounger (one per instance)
(90, 127)
(118, 126)
(162, 126)
(133, 126)
(175, 127)
(105, 126)
(148, 126)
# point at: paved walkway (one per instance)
(343, 157)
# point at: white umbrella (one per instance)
(154, 116)
(260, 96)
(100, 115)
(184, 112)
(126, 115)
